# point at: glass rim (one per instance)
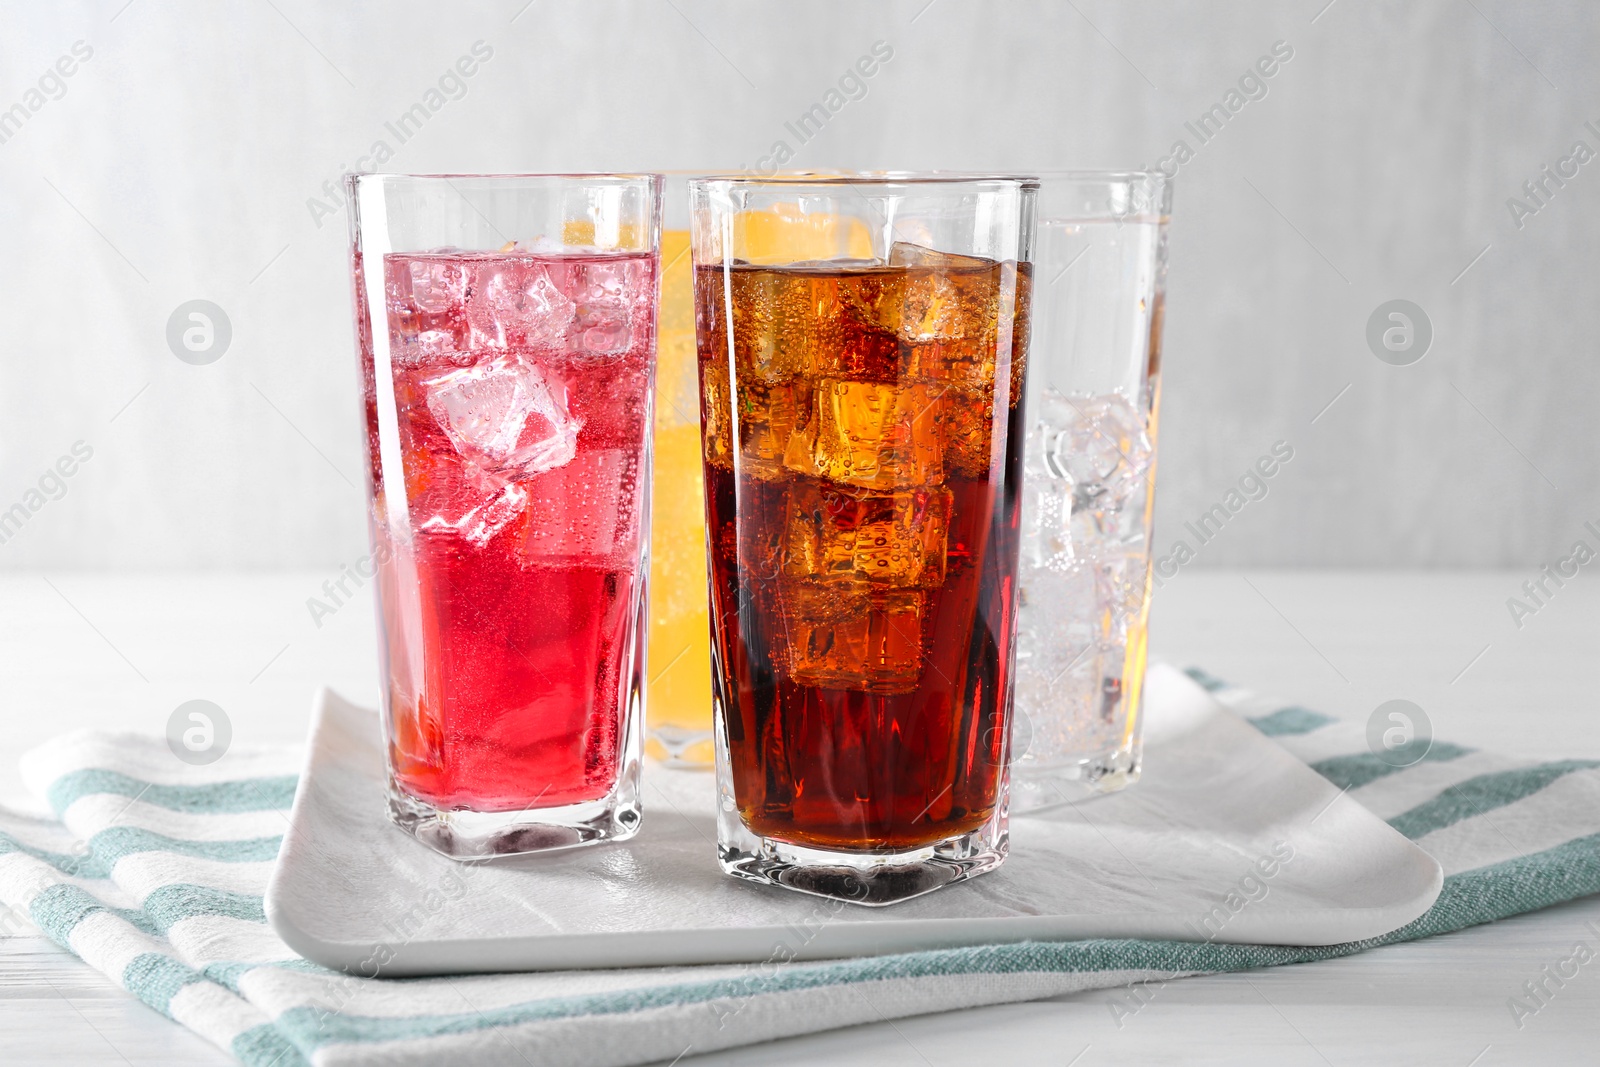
(354, 178)
(1150, 193)
(793, 179)
(1103, 175)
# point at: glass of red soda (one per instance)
(506, 327)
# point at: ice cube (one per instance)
(910, 254)
(768, 415)
(945, 297)
(597, 283)
(1074, 662)
(1016, 305)
(480, 523)
(437, 285)
(505, 416)
(870, 642)
(1100, 444)
(601, 294)
(774, 323)
(930, 309)
(428, 348)
(515, 302)
(716, 413)
(948, 313)
(864, 311)
(969, 363)
(447, 496)
(870, 435)
(966, 426)
(1090, 451)
(604, 334)
(424, 298)
(855, 539)
(758, 543)
(1086, 484)
(1047, 524)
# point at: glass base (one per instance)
(481, 834)
(676, 746)
(1040, 788)
(874, 879)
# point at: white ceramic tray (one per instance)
(1195, 851)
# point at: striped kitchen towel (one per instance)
(153, 872)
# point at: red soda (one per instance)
(509, 573)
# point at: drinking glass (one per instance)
(679, 725)
(506, 332)
(861, 365)
(1093, 397)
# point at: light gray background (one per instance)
(179, 162)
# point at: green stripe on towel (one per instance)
(265, 1046)
(155, 978)
(87, 865)
(1353, 772)
(1292, 720)
(1475, 796)
(229, 972)
(59, 908)
(173, 903)
(242, 794)
(1209, 682)
(115, 842)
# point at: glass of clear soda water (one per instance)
(1093, 394)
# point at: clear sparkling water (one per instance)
(1084, 577)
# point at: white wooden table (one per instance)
(117, 650)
